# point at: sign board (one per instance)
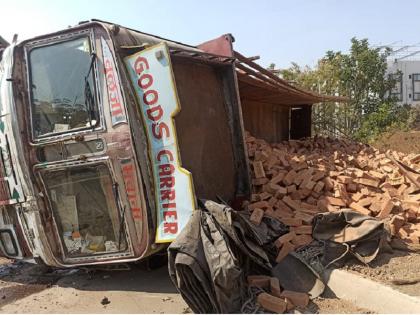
(113, 86)
(152, 78)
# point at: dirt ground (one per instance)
(387, 267)
(335, 306)
(406, 142)
(29, 288)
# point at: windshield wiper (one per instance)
(121, 230)
(88, 93)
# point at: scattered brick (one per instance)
(272, 303)
(260, 281)
(257, 216)
(297, 298)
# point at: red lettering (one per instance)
(166, 170)
(148, 83)
(167, 182)
(165, 152)
(110, 79)
(136, 213)
(140, 64)
(170, 227)
(167, 194)
(169, 205)
(170, 215)
(131, 189)
(160, 129)
(155, 113)
(149, 101)
(108, 65)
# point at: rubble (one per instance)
(295, 180)
(277, 300)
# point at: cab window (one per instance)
(62, 87)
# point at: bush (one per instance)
(387, 118)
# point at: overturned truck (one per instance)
(108, 136)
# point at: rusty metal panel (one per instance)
(205, 140)
(220, 46)
(265, 120)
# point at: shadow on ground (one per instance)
(21, 279)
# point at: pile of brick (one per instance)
(295, 180)
(274, 299)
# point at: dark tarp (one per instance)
(219, 247)
(349, 233)
(210, 259)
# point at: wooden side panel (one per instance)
(202, 125)
(265, 120)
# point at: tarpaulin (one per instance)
(209, 260)
(348, 233)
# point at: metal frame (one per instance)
(72, 158)
(398, 78)
(38, 169)
(13, 239)
(416, 94)
(54, 137)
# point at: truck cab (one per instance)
(108, 137)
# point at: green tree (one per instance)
(360, 75)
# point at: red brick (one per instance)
(258, 204)
(335, 201)
(291, 188)
(275, 286)
(258, 169)
(297, 298)
(303, 229)
(319, 186)
(260, 281)
(284, 251)
(365, 201)
(359, 208)
(307, 218)
(272, 303)
(302, 240)
(291, 203)
(278, 178)
(257, 216)
(367, 182)
(284, 238)
(291, 221)
(259, 181)
(290, 176)
(397, 221)
(386, 209)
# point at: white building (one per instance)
(404, 65)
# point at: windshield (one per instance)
(62, 87)
(84, 204)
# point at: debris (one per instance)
(257, 216)
(296, 180)
(272, 303)
(260, 281)
(186, 310)
(105, 301)
(275, 287)
(286, 248)
(297, 298)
